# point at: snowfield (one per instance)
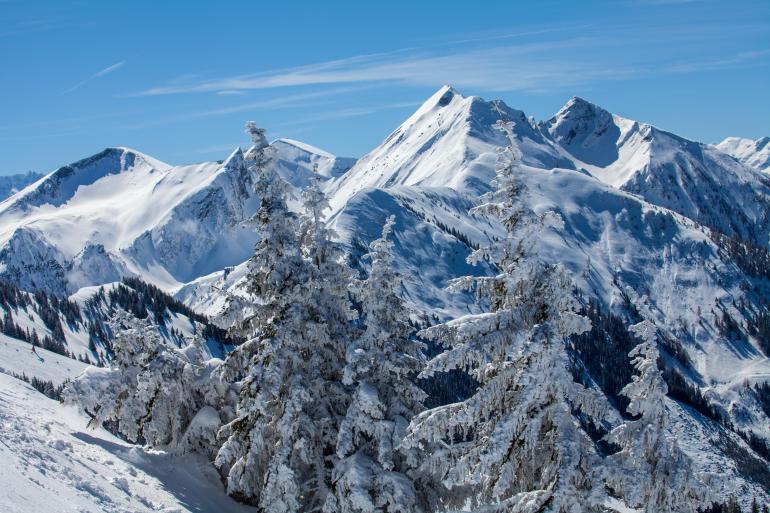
(53, 462)
(16, 357)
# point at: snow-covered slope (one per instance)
(447, 142)
(17, 359)
(687, 177)
(121, 213)
(754, 153)
(613, 243)
(297, 160)
(53, 462)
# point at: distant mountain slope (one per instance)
(121, 213)
(687, 177)
(754, 153)
(78, 328)
(447, 142)
(11, 184)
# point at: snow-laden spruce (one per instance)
(382, 362)
(279, 450)
(152, 392)
(656, 475)
(514, 445)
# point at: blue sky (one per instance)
(177, 80)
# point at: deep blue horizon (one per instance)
(177, 80)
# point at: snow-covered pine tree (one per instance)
(259, 152)
(279, 450)
(153, 392)
(382, 364)
(277, 227)
(655, 474)
(514, 445)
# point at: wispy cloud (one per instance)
(98, 74)
(565, 58)
(291, 101)
(523, 66)
(738, 60)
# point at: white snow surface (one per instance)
(752, 152)
(16, 357)
(53, 462)
(122, 213)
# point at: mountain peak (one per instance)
(753, 153)
(580, 108)
(442, 98)
(235, 159)
(587, 131)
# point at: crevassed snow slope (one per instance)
(754, 153)
(53, 462)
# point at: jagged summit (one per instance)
(234, 159)
(449, 141)
(588, 132)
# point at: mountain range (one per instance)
(655, 224)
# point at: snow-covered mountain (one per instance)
(685, 176)
(654, 224)
(754, 153)
(629, 238)
(121, 212)
(638, 204)
(447, 142)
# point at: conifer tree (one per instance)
(514, 445)
(656, 475)
(382, 364)
(279, 450)
(152, 392)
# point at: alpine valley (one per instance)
(664, 243)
